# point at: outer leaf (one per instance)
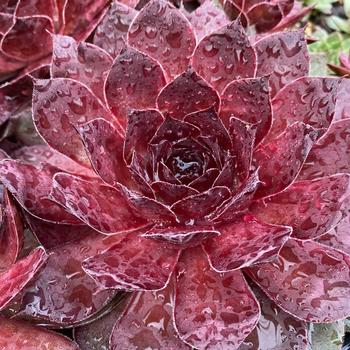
(134, 263)
(265, 16)
(331, 154)
(342, 106)
(59, 105)
(245, 242)
(17, 335)
(83, 62)
(312, 208)
(147, 322)
(212, 310)
(163, 32)
(111, 33)
(133, 83)
(308, 280)
(225, 55)
(18, 276)
(186, 94)
(280, 160)
(102, 207)
(283, 57)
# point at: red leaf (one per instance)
(186, 94)
(135, 263)
(134, 82)
(264, 17)
(245, 242)
(212, 310)
(161, 31)
(225, 55)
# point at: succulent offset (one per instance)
(201, 170)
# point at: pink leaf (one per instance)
(308, 280)
(342, 106)
(311, 207)
(283, 57)
(248, 100)
(83, 62)
(17, 277)
(186, 94)
(134, 263)
(245, 242)
(225, 55)
(134, 82)
(161, 31)
(280, 160)
(111, 33)
(264, 17)
(212, 310)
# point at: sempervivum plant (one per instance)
(196, 174)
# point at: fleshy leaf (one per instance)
(265, 16)
(225, 55)
(62, 294)
(342, 106)
(212, 310)
(200, 205)
(83, 62)
(18, 275)
(248, 100)
(11, 232)
(276, 329)
(206, 19)
(21, 41)
(147, 322)
(245, 242)
(283, 57)
(186, 94)
(102, 207)
(331, 154)
(111, 33)
(311, 207)
(134, 82)
(60, 105)
(135, 263)
(161, 31)
(280, 160)
(308, 280)
(17, 335)
(310, 100)
(181, 236)
(31, 187)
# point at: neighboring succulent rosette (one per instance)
(197, 174)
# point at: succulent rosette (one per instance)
(196, 169)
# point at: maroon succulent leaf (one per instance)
(276, 329)
(31, 186)
(245, 242)
(308, 280)
(342, 105)
(19, 274)
(206, 19)
(102, 207)
(312, 208)
(135, 263)
(18, 335)
(280, 160)
(225, 55)
(11, 232)
(283, 57)
(62, 105)
(264, 16)
(210, 309)
(111, 33)
(67, 295)
(187, 93)
(331, 154)
(248, 100)
(133, 82)
(83, 62)
(144, 316)
(161, 31)
(310, 100)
